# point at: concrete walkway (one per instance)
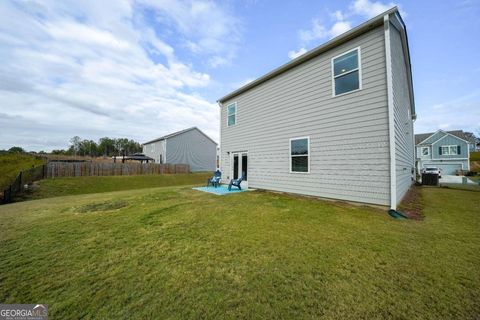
(454, 179)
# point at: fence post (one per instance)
(9, 199)
(20, 181)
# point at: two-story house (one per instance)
(190, 146)
(336, 122)
(447, 150)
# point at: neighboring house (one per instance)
(190, 146)
(336, 122)
(472, 141)
(447, 150)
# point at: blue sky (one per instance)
(144, 68)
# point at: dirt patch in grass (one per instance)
(102, 206)
(463, 187)
(412, 204)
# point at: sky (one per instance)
(144, 68)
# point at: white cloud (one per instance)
(463, 111)
(217, 61)
(207, 27)
(72, 31)
(338, 15)
(93, 68)
(341, 22)
(317, 31)
(294, 54)
(339, 27)
(369, 9)
(244, 82)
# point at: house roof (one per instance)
(138, 157)
(135, 156)
(353, 33)
(470, 137)
(457, 133)
(178, 133)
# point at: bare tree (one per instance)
(75, 141)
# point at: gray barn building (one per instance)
(336, 122)
(190, 146)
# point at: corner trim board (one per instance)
(391, 120)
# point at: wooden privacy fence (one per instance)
(82, 169)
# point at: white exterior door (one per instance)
(239, 167)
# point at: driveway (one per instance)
(454, 179)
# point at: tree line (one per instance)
(85, 147)
(104, 147)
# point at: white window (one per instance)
(425, 151)
(449, 150)
(300, 155)
(232, 114)
(346, 71)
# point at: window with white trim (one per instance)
(346, 72)
(232, 114)
(299, 155)
(449, 150)
(425, 151)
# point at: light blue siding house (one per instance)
(336, 122)
(447, 150)
(190, 146)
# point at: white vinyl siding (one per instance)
(347, 132)
(155, 150)
(193, 148)
(403, 124)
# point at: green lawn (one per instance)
(84, 185)
(12, 163)
(475, 156)
(177, 253)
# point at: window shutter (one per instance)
(458, 149)
(440, 150)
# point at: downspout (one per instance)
(220, 105)
(391, 120)
(165, 150)
(468, 156)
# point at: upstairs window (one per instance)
(299, 155)
(346, 72)
(425, 151)
(232, 114)
(449, 150)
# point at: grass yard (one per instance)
(12, 163)
(85, 185)
(176, 253)
(475, 156)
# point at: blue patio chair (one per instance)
(236, 183)
(215, 180)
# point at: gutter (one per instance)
(353, 33)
